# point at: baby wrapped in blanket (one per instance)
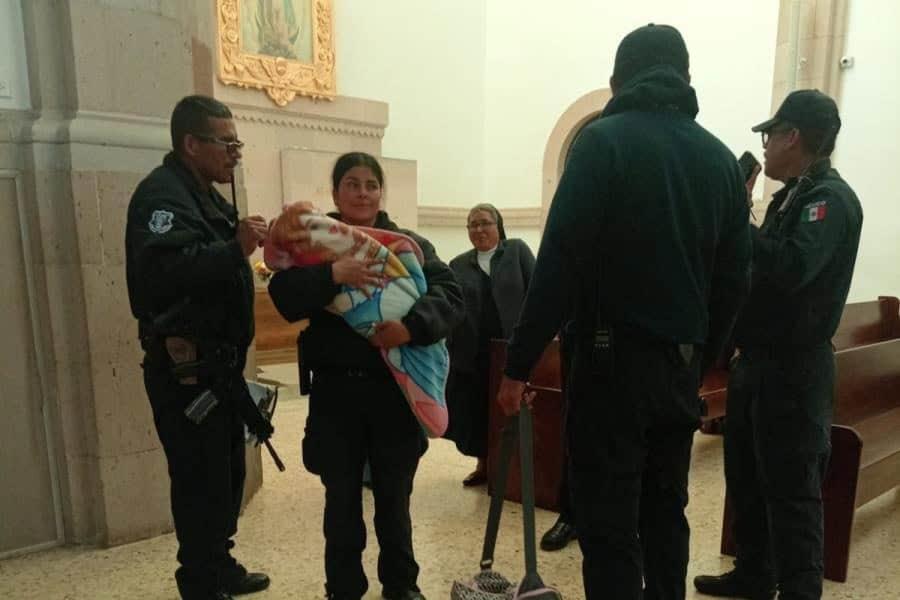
(420, 371)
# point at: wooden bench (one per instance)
(276, 339)
(548, 416)
(865, 438)
(861, 323)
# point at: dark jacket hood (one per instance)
(657, 89)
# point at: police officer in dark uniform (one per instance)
(649, 234)
(777, 433)
(191, 289)
(357, 412)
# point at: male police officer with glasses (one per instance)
(777, 432)
(191, 289)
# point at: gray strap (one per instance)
(526, 454)
(507, 441)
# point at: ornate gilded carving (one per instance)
(261, 45)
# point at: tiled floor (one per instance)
(281, 533)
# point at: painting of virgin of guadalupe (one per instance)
(285, 47)
(278, 28)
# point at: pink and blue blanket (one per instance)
(420, 371)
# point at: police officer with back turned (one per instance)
(649, 234)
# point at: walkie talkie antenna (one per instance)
(234, 204)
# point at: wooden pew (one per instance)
(548, 417)
(865, 438)
(276, 339)
(861, 323)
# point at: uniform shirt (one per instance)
(803, 259)
(650, 219)
(180, 243)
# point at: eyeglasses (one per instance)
(479, 225)
(230, 146)
(766, 135)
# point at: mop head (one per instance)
(486, 585)
(532, 588)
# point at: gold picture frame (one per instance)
(285, 47)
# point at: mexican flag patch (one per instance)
(814, 212)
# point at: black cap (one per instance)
(650, 46)
(808, 111)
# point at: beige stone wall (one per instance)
(102, 88)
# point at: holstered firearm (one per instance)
(194, 360)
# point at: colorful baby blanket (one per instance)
(420, 371)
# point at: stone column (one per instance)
(811, 39)
(104, 76)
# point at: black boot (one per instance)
(558, 536)
(237, 581)
(407, 595)
(735, 584)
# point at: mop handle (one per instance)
(507, 441)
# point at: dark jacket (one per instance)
(180, 243)
(511, 268)
(803, 261)
(329, 342)
(650, 219)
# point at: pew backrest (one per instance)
(867, 381)
(868, 323)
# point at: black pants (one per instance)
(566, 510)
(352, 419)
(207, 471)
(632, 415)
(777, 444)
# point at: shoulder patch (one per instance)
(161, 221)
(814, 212)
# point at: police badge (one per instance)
(161, 221)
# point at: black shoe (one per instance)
(734, 584)
(246, 583)
(474, 478)
(558, 536)
(213, 596)
(407, 595)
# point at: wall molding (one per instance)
(339, 127)
(329, 124)
(121, 130)
(455, 216)
(93, 128)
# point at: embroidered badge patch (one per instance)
(161, 221)
(814, 212)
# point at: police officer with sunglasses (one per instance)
(777, 433)
(191, 289)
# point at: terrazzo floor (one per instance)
(280, 532)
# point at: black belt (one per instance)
(213, 357)
(353, 373)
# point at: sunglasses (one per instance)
(230, 146)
